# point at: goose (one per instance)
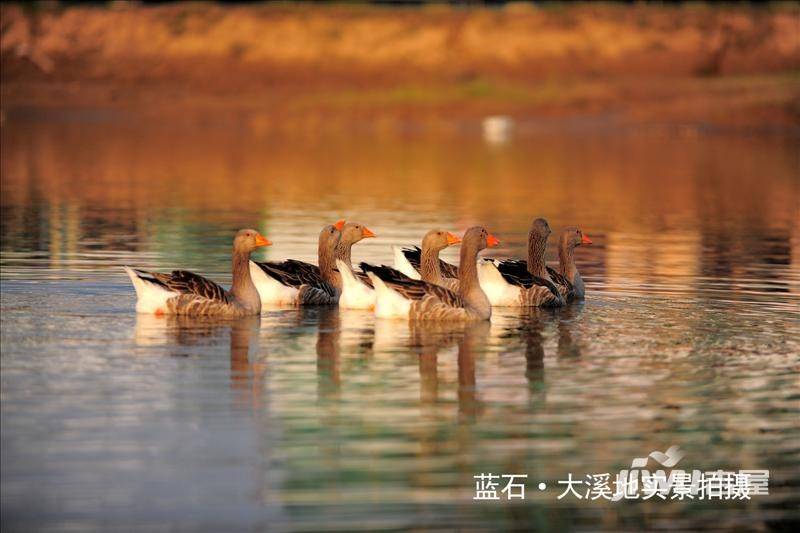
(567, 279)
(424, 263)
(293, 282)
(357, 291)
(398, 296)
(186, 293)
(516, 283)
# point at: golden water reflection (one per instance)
(85, 197)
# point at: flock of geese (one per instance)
(419, 287)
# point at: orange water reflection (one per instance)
(701, 214)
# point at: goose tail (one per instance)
(388, 302)
(151, 296)
(402, 263)
(355, 293)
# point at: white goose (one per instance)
(357, 291)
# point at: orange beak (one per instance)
(339, 224)
(491, 241)
(452, 239)
(366, 232)
(262, 241)
(586, 240)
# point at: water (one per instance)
(319, 419)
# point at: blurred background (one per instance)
(378, 65)
(620, 116)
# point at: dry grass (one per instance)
(692, 62)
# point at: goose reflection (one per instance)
(471, 343)
(179, 332)
(185, 336)
(569, 345)
(248, 367)
(430, 339)
(329, 377)
(531, 331)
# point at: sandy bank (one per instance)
(734, 65)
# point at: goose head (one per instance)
(540, 230)
(352, 232)
(572, 236)
(438, 240)
(479, 239)
(329, 237)
(247, 240)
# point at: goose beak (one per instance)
(262, 241)
(366, 232)
(339, 224)
(452, 239)
(491, 241)
(586, 240)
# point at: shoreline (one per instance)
(731, 68)
(740, 104)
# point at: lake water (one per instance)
(319, 419)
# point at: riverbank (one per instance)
(727, 67)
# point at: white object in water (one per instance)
(497, 129)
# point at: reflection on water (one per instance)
(317, 418)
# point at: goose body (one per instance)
(357, 291)
(416, 299)
(516, 283)
(398, 296)
(509, 284)
(568, 275)
(186, 293)
(151, 295)
(292, 282)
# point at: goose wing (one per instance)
(515, 272)
(363, 278)
(293, 273)
(414, 256)
(188, 283)
(563, 284)
(412, 289)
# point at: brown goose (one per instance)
(295, 282)
(568, 280)
(358, 290)
(399, 296)
(352, 232)
(425, 264)
(517, 283)
(185, 293)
